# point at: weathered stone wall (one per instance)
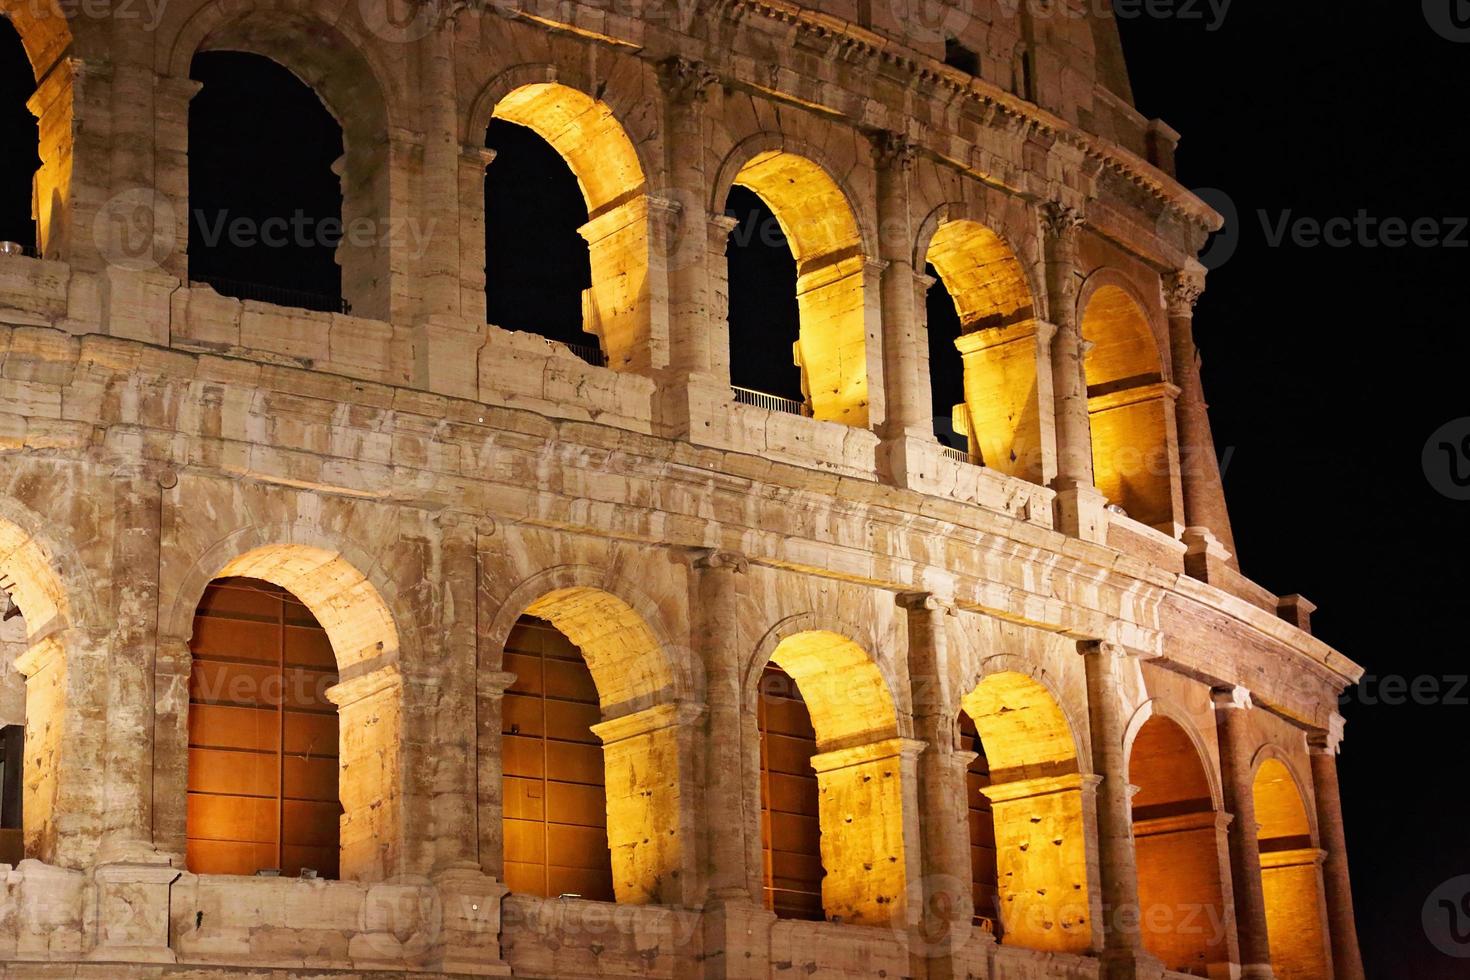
(421, 479)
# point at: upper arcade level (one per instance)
(990, 161)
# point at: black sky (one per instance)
(1326, 368)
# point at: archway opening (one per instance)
(764, 322)
(614, 752)
(265, 198)
(991, 325)
(822, 234)
(615, 305)
(861, 766)
(1129, 409)
(1291, 876)
(263, 736)
(537, 265)
(946, 368)
(19, 142)
(553, 774)
(790, 828)
(13, 643)
(1181, 849)
(361, 641)
(1038, 813)
(984, 870)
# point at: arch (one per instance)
(862, 766)
(1037, 796)
(592, 141)
(1291, 870)
(28, 574)
(335, 62)
(365, 643)
(45, 34)
(618, 630)
(819, 221)
(645, 729)
(998, 344)
(1180, 843)
(1130, 407)
(1164, 708)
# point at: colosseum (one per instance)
(384, 641)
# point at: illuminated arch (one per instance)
(998, 343)
(45, 33)
(861, 761)
(349, 78)
(1291, 871)
(1181, 846)
(365, 642)
(819, 222)
(643, 732)
(1130, 406)
(587, 134)
(1037, 804)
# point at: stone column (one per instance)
(1079, 504)
(1204, 494)
(1123, 954)
(1232, 724)
(490, 686)
(1347, 961)
(941, 903)
(439, 180)
(908, 402)
(451, 717)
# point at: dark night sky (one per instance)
(1327, 368)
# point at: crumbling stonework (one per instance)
(1159, 729)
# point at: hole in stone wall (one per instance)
(19, 141)
(946, 366)
(537, 264)
(263, 737)
(958, 55)
(554, 797)
(790, 824)
(265, 207)
(764, 321)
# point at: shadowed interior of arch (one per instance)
(1291, 875)
(1126, 401)
(1036, 805)
(988, 338)
(590, 140)
(265, 207)
(19, 146)
(818, 224)
(1180, 847)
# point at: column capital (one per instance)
(1182, 289)
(1327, 741)
(1106, 648)
(927, 601)
(713, 558)
(1060, 221)
(892, 150)
(686, 80)
(1231, 697)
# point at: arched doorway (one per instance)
(19, 142)
(1181, 848)
(790, 800)
(263, 736)
(1291, 876)
(984, 870)
(1039, 816)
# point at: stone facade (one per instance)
(420, 480)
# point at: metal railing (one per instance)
(277, 295)
(773, 403)
(958, 455)
(592, 355)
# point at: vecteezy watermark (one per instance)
(1446, 917)
(1446, 459)
(301, 230)
(135, 229)
(1450, 19)
(1451, 690)
(1364, 230)
(150, 12)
